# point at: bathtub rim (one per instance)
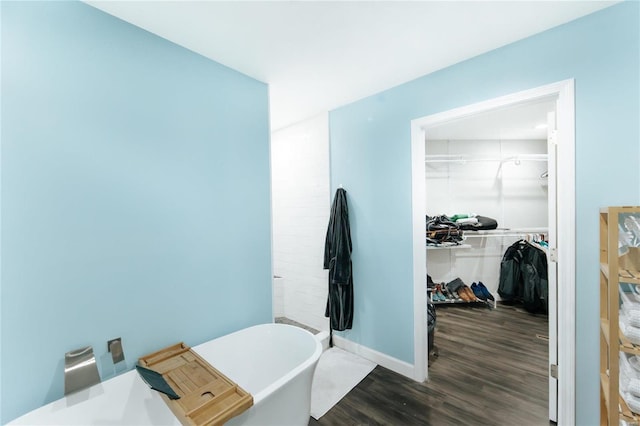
(291, 374)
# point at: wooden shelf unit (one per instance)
(614, 269)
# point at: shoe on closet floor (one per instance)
(446, 293)
(477, 291)
(434, 295)
(464, 295)
(437, 294)
(485, 291)
(470, 295)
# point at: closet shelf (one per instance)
(627, 346)
(507, 232)
(462, 159)
(451, 247)
(629, 276)
(491, 303)
(462, 302)
(626, 413)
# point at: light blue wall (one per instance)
(371, 158)
(135, 195)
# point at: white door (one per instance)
(552, 266)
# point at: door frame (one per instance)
(564, 91)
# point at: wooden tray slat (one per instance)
(216, 414)
(205, 399)
(168, 352)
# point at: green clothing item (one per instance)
(459, 216)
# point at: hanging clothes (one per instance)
(337, 259)
(523, 276)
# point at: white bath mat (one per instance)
(337, 372)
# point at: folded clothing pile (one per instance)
(630, 298)
(629, 382)
(629, 315)
(629, 323)
(440, 230)
(631, 332)
(474, 222)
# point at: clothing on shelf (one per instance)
(477, 223)
(443, 230)
(629, 380)
(440, 230)
(630, 303)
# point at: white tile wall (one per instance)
(278, 297)
(301, 204)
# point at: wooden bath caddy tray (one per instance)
(207, 397)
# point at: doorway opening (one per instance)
(435, 138)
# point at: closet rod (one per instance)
(463, 159)
(515, 232)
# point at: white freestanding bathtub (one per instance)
(273, 362)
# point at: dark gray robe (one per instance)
(337, 259)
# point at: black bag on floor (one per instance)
(431, 323)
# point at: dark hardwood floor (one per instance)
(491, 370)
(285, 320)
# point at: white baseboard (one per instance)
(393, 364)
(323, 336)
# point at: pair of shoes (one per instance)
(485, 292)
(478, 292)
(471, 294)
(462, 295)
(466, 294)
(437, 295)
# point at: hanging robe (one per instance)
(337, 259)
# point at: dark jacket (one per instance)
(523, 276)
(337, 259)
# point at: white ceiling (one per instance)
(525, 121)
(319, 55)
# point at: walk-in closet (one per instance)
(492, 165)
(489, 175)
